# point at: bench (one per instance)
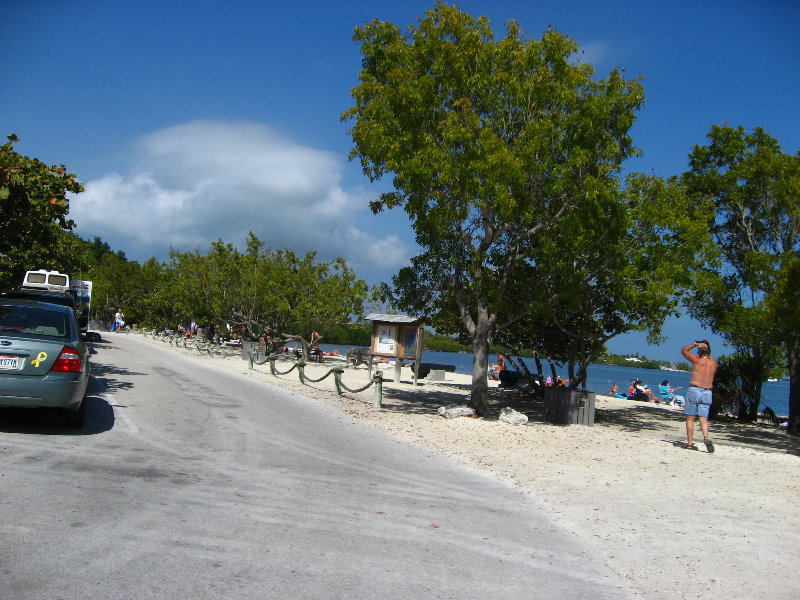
(425, 368)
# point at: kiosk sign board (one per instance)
(385, 339)
(397, 337)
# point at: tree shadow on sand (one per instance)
(427, 398)
(637, 417)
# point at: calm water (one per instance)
(775, 394)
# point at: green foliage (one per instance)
(265, 291)
(33, 216)
(115, 283)
(257, 291)
(644, 362)
(444, 343)
(754, 189)
(506, 156)
(737, 387)
(348, 334)
(620, 269)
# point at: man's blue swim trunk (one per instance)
(698, 402)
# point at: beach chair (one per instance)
(669, 397)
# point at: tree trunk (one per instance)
(793, 358)
(553, 370)
(539, 369)
(520, 365)
(480, 361)
(755, 403)
(303, 344)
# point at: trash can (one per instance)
(246, 349)
(565, 406)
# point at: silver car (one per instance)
(44, 363)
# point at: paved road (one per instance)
(189, 481)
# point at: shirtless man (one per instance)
(698, 398)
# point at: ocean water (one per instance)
(774, 394)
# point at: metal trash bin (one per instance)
(565, 406)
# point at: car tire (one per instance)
(76, 418)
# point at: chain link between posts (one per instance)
(188, 343)
(258, 357)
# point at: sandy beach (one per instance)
(675, 523)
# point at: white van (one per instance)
(46, 280)
(79, 293)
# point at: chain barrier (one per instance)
(255, 357)
(274, 370)
(187, 343)
(377, 379)
(301, 366)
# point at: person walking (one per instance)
(698, 397)
(192, 329)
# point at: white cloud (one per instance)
(194, 183)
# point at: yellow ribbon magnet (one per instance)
(39, 358)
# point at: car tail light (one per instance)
(69, 361)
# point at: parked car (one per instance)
(44, 362)
(51, 297)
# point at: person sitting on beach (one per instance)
(313, 346)
(643, 390)
(615, 391)
(495, 369)
(668, 394)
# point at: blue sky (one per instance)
(190, 121)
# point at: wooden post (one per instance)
(337, 378)
(378, 379)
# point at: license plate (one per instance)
(9, 363)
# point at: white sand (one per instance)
(676, 523)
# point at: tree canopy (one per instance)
(755, 191)
(265, 291)
(33, 216)
(506, 156)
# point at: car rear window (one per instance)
(30, 320)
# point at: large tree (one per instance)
(755, 190)
(492, 146)
(33, 216)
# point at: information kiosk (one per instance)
(396, 338)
